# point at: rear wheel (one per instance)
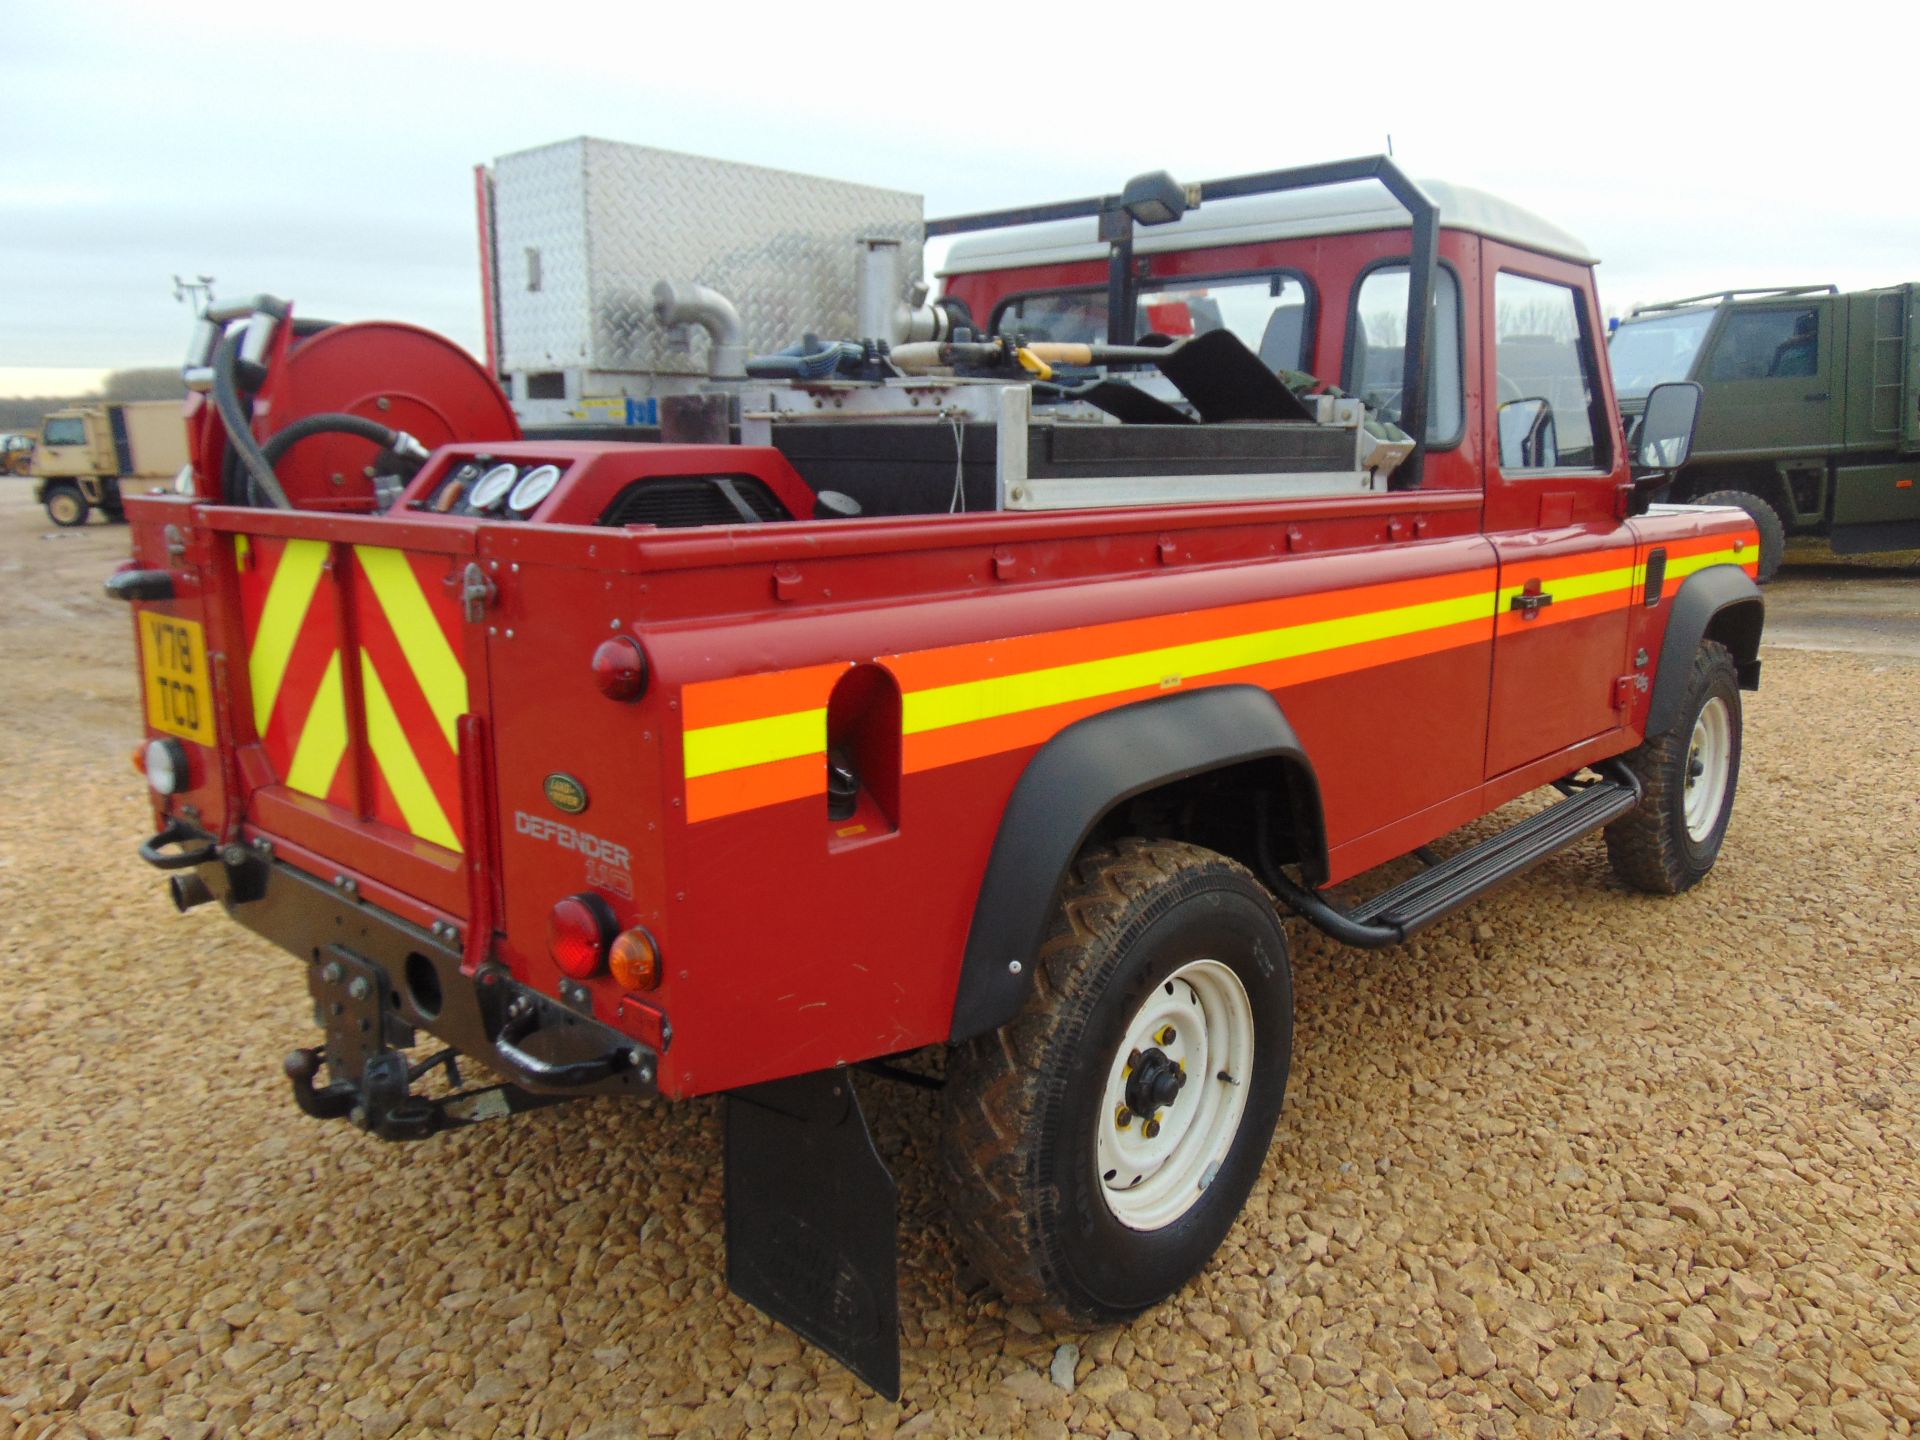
(1670, 840)
(1101, 1144)
(1766, 519)
(66, 506)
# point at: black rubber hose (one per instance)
(328, 422)
(226, 399)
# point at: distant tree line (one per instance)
(150, 382)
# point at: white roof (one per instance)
(1328, 210)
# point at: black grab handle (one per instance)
(178, 832)
(523, 1019)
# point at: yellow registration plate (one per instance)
(179, 699)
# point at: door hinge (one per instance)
(1626, 688)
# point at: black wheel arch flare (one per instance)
(1073, 782)
(1719, 603)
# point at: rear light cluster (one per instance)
(578, 933)
(583, 936)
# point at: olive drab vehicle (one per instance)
(1809, 408)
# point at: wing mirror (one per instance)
(1665, 437)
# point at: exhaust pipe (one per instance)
(712, 312)
(188, 890)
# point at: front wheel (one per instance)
(1688, 775)
(1101, 1144)
(66, 506)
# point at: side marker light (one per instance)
(620, 668)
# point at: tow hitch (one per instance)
(372, 1079)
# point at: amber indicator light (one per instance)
(635, 961)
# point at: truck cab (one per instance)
(1809, 413)
(1522, 448)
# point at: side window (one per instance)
(1268, 312)
(1376, 359)
(1766, 345)
(1544, 360)
(65, 432)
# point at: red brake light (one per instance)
(578, 932)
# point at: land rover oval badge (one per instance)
(568, 795)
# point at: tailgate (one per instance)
(352, 706)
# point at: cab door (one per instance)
(1773, 382)
(66, 447)
(1553, 512)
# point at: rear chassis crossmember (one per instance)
(812, 1213)
(377, 981)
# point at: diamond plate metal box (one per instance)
(585, 229)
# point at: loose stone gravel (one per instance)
(1576, 1162)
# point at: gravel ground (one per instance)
(1578, 1162)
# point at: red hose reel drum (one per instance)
(400, 376)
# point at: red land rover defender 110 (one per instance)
(988, 685)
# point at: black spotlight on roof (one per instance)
(1155, 198)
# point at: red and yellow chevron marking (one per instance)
(399, 674)
(293, 663)
(413, 690)
(757, 740)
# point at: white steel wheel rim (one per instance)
(1199, 1020)
(1709, 762)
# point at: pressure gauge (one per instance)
(491, 488)
(534, 487)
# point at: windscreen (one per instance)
(1651, 351)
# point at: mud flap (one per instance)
(812, 1216)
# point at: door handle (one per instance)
(1530, 601)
(1816, 395)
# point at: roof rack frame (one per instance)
(1117, 229)
(1728, 297)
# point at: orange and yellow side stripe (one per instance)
(757, 740)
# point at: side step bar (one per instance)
(1393, 915)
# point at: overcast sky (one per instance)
(326, 152)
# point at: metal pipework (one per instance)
(712, 312)
(880, 310)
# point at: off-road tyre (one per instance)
(66, 506)
(1027, 1203)
(1652, 847)
(1766, 519)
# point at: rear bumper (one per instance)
(426, 987)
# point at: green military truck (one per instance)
(1810, 408)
